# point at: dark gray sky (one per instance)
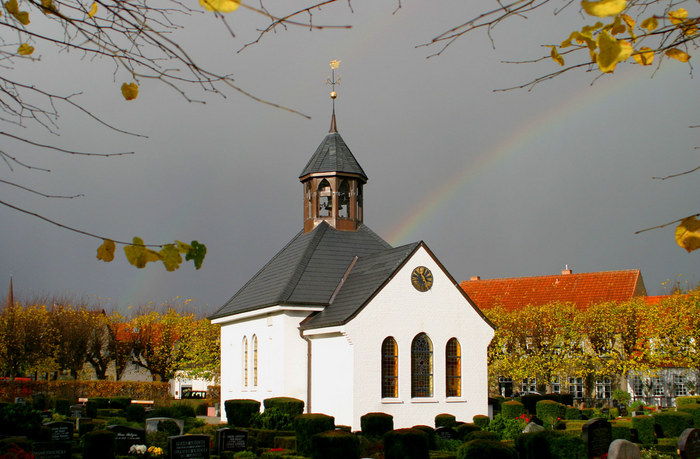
(498, 184)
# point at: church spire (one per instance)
(334, 95)
(10, 301)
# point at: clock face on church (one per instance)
(422, 279)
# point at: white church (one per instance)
(349, 324)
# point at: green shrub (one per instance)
(572, 413)
(482, 435)
(376, 424)
(308, 425)
(445, 420)
(18, 419)
(478, 449)
(101, 402)
(512, 409)
(443, 444)
(85, 427)
(481, 420)
(201, 409)
(169, 427)
(550, 444)
(336, 444)
(687, 400)
(406, 444)
(289, 443)
(506, 428)
(62, 407)
(673, 423)
(98, 444)
(637, 405)
(91, 409)
(109, 413)
(240, 411)
(645, 429)
(15, 447)
(622, 397)
(135, 413)
(463, 430)
(292, 406)
(432, 436)
(119, 402)
(622, 430)
(39, 402)
(529, 401)
(614, 413)
(272, 419)
(549, 411)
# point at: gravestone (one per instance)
(188, 447)
(623, 449)
(152, 424)
(597, 435)
(446, 433)
(20, 401)
(228, 439)
(52, 450)
(76, 411)
(689, 444)
(61, 430)
(125, 436)
(531, 427)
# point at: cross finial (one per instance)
(333, 81)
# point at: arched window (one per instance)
(453, 359)
(255, 360)
(245, 361)
(344, 200)
(421, 366)
(390, 368)
(325, 198)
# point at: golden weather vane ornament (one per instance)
(332, 80)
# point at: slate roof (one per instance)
(582, 289)
(306, 271)
(333, 155)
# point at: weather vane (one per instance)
(333, 80)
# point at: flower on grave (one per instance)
(137, 450)
(155, 451)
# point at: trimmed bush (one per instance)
(687, 400)
(109, 413)
(21, 420)
(481, 420)
(240, 411)
(445, 420)
(101, 402)
(512, 409)
(463, 430)
(39, 402)
(482, 435)
(572, 413)
(645, 429)
(62, 407)
(549, 411)
(432, 436)
(289, 443)
(291, 406)
(673, 423)
(550, 444)
(486, 449)
(376, 424)
(406, 444)
(272, 419)
(119, 402)
(98, 444)
(529, 401)
(91, 409)
(308, 425)
(587, 413)
(622, 430)
(337, 444)
(201, 409)
(135, 413)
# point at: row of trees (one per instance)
(56, 337)
(602, 340)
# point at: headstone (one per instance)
(188, 447)
(61, 430)
(689, 444)
(623, 449)
(52, 450)
(20, 401)
(76, 411)
(597, 435)
(152, 424)
(228, 439)
(532, 427)
(446, 433)
(125, 436)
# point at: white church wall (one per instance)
(332, 377)
(401, 311)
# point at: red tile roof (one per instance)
(581, 289)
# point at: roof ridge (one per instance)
(619, 271)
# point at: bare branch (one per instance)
(70, 152)
(39, 193)
(666, 224)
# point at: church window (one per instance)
(255, 360)
(421, 366)
(453, 359)
(245, 361)
(344, 200)
(390, 368)
(359, 202)
(325, 198)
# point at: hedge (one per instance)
(549, 411)
(336, 444)
(481, 420)
(512, 409)
(685, 400)
(673, 423)
(406, 444)
(463, 430)
(288, 405)
(240, 411)
(159, 392)
(550, 444)
(645, 429)
(486, 448)
(308, 425)
(376, 424)
(572, 413)
(445, 420)
(432, 436)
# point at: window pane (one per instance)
(422, 366)
(390, 368)
(454, 368)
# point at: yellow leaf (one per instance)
(105, 252)
(25, 49)
(688, 234)
(628, 20)
(138, 255)
(220, 6)
(650, 24)
(677, 54)
(130, 91)
(604, 8)
(12, 7)
(645, 56)
(556, 57)
(182, 247)
(171, 257)
(22, 17)
(611, 52)
(93, 10)
(678, 16)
